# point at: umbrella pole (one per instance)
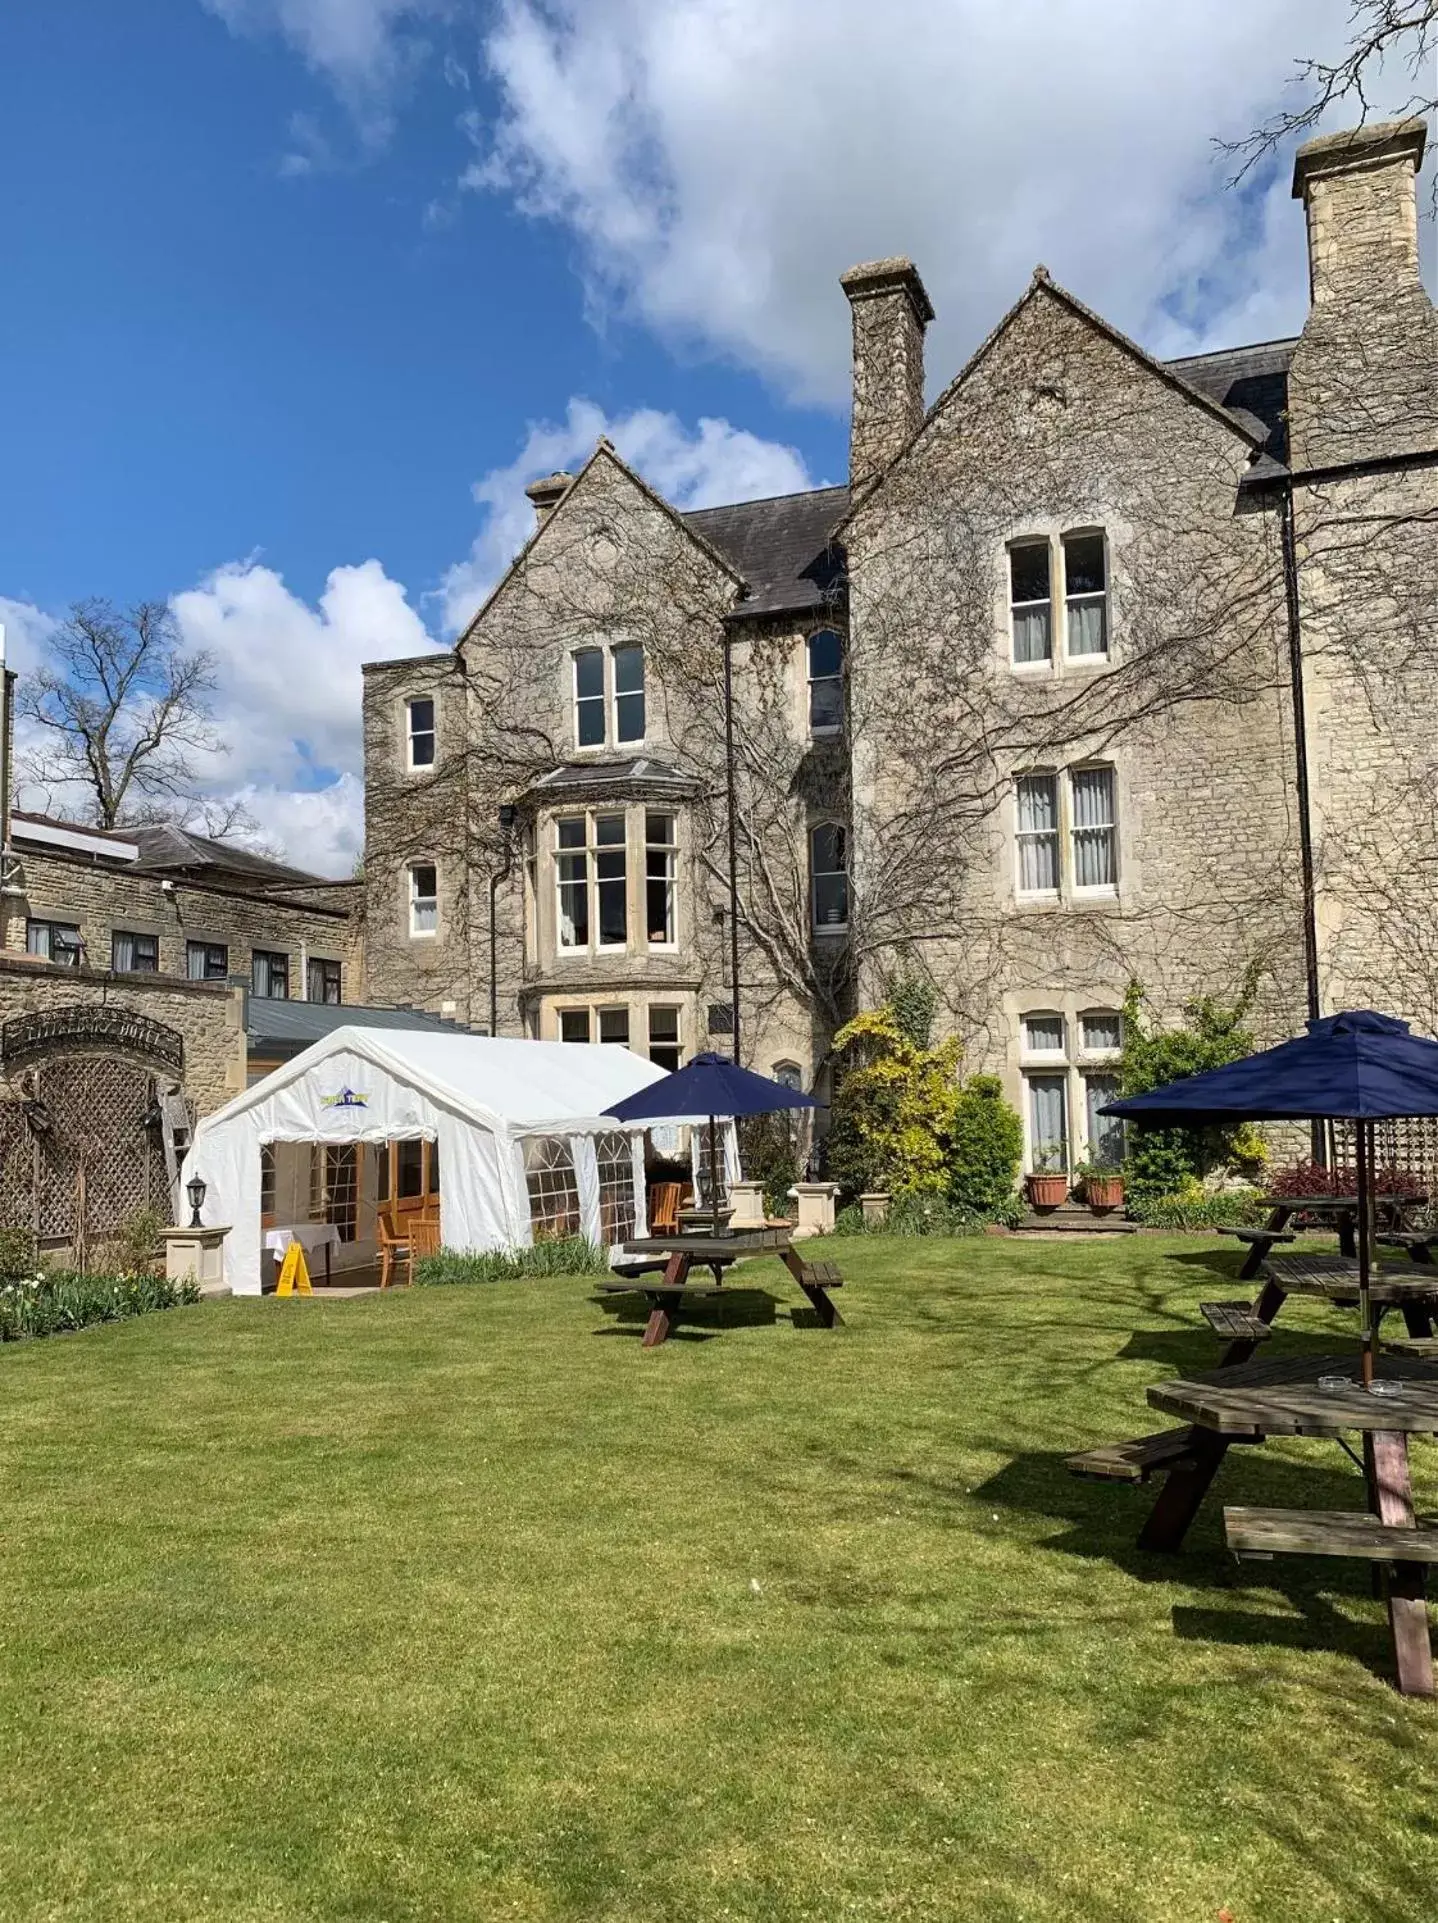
(1363, 1134)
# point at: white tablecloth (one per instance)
(309, 1235)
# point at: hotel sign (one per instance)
(52, 1031)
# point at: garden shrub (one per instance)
(986, 1146)
(59, 1299)
(1311, 1178)
(912, 1215)
(893, 1108)
(137, 1241)
(1161, 1160)
(563, 1255)
(1194, 1207)
(17, 1254)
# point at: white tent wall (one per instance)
(375, 1086)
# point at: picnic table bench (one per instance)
(675, 1257)
(1344, 1210)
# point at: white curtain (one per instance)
(1031, 633)
(1095, 865)
(1087, 625)
(1048, 1122)
(1038, 833)
(1105, 1132)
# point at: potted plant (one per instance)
(1048, 1186)
(1102, 1185)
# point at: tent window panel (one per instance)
(553, 1189)
(409, 1170)
(342, 1189)
(616, 1188)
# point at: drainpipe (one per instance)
(731, 786)
(496, 882)
(1300, 748)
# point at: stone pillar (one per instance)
(890, 312)
(814, 1208)
(876, 1209)
(747, 1199)
(197, 1255)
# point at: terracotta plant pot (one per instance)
(1103, 1192)
(1048, 1191)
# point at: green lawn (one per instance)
(454, 1604)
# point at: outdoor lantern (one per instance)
(195, 1189)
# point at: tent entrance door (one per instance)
(407, 1180)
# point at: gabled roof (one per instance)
(782, 546)
(165, 848)
(1042, 287)
(603, 450)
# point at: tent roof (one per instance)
(513, 1086)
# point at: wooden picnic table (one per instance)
(1304, 1396)
(1344, 1210)
(1412, 1289)
(674, 1257)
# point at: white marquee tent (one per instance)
(496, 1110)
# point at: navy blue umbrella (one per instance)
(1359, 1066)
(705, 1089)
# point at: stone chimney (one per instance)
(891, 311)
(1364, 377)
(547, 494)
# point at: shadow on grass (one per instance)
(1199, 1351)
(1102, 1521)
(699, 1320)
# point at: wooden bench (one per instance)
(1259, 1242)
(1417, 1244)
(1419, 1345)
(1265, 1533)
(816, 1279)
(1134, 1461)
(1235, 1321)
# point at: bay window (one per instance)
(591, 867)
(664, 1046)
(661, 855)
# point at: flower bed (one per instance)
(53, 1302)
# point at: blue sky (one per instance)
(300, 292)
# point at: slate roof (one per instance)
(780, 546)
(278, 1030)
(164, 847)
(637, 771)
(1251, 382)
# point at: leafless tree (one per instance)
(120, 715)
(1384, 36)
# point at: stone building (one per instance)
(1099, 669)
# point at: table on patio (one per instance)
(1343, 1209)
(310, 1236)
(1288, 1398)
(673, 1257)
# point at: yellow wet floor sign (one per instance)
(294, 1275)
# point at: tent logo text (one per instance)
(347, 1098)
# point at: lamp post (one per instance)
(196, 1189)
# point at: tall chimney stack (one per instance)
(891, 311)
(1364, 377)
(547, 493)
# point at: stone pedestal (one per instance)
(197, 1255)
(876, 1209)
(813, 1208)
(748, 1203)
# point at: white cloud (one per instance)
(722, 161)
(365, 49)
(713, 463)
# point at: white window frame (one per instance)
(1099, 1056)
(1056, 1070)
(591, 851)
(1045, 662)
(652, 1041)
(1076, 1064)
(412, 734)
(829, 927)
(1065, 833)
(1029, 1054)
(415, 900)
(667, 852)
(1101, 597)
(610, 695)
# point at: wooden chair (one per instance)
(394, 1248)
(424, 1237)
(664, 1200)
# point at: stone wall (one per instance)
(208, 1015)
(101, 898)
